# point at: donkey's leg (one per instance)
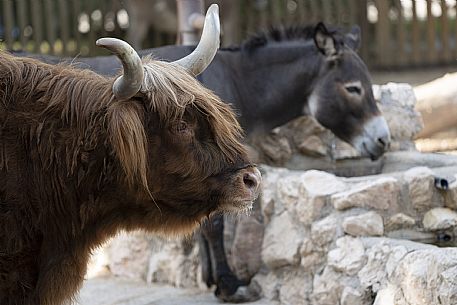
(205, 259)
(229, 287)
(226, 281)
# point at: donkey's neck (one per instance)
(274, 84)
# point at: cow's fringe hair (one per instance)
(84, 100)
(170, 90)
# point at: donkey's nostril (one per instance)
(250, 180)
(384, 141)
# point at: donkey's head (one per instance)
(342, 99)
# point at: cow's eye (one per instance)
(181, 127)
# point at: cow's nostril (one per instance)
(250, 180)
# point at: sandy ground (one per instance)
(114, 291)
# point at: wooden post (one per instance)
(316, 13)
(352, 13)
(76, 33)
(361, 7)
(445, 49)
(338, 5)
(416, 37)
(400, 56)
(22, 21)
(276, 12)
(37, 24)
(64, 25)
(327, 11)
(383, 40)
(431, 35)
(190, 21)
(90, 8)
(9, 23)
(49, 10)
(301, 11)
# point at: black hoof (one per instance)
(242, 294)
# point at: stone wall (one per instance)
(330, 240)
(315, 238)
(320, 239)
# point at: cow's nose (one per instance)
(252, 179)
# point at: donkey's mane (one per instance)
(282, 33)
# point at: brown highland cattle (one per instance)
(83, 156)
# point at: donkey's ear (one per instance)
(324, 41)
(353, 38)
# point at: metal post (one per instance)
(190, 21)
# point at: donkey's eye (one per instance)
(353, 90)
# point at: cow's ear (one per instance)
(353, 39)
(325, 42)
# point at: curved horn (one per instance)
(197, 61)
(128, 84)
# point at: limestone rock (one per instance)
(383, 258)
(273, 197)
(367, 224)
(308, 208)
(314, 189)
(304, 127)
(351, 296)
(421, 187)
(327, 287)
(400, 221)
(428, 277)
(320, 183)
(312, 261)
(348, 257)
(247, 248)
(296, 287)
(281, 242)
(386, 296)
(397, 104)
(381, 194)
(374, 274)
(311, 255)
(342, 150)
(450, 196)
(313, 146)
(288, 191)
(439, 219)
(324, 231)
(270, 283)
(175, 263)
(275, 148)
(129, 255)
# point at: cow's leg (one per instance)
(60, 277)
(229, 287)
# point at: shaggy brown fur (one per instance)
(76, 166)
